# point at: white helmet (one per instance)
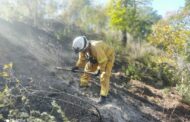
(80, 43)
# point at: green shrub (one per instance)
(153, 66)
(184, 86)
(150, 65)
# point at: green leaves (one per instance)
(117, 13)
(187, 3)
(170, 35)
(135, 17)
(60, 111)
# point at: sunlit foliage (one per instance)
(168, 37)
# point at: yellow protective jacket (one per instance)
(100, 51)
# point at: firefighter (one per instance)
(94, 56)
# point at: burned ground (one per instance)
(35, 53)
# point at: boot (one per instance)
(102, 100)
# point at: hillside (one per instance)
(35, 53)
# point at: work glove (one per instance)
(73, 69)
(92, 60)
(97, 73)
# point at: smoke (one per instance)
(38, 44)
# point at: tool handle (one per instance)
(79, 71)
(91, 73)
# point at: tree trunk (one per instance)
(124, 37)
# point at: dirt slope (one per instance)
(35, 53)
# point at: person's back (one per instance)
(103, 46)
(101, 51)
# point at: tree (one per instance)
(187, 3)
(168, 37)
(72, 11)
(130, 16)
(173, 34)
(27, 10)
(93, 18)
(146, 17)
(119, 15)
(51, 8)
(8, 9)
(84, 15)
